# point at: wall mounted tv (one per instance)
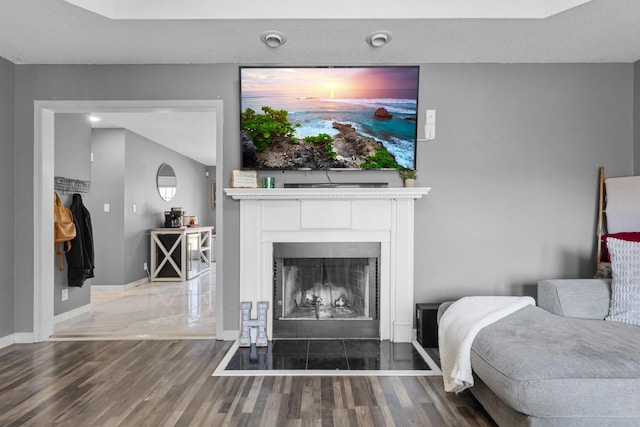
(315, 118)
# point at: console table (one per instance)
(179, 254)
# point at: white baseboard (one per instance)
(7, 341)
(17, 338)
(230, 335)
(119, 288)
(23, 338)
(71, 314)
(402, 331)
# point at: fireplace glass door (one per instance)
(326, 290)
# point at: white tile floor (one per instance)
(157, 310)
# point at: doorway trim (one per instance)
(43, 157)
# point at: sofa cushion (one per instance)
(584, 298)
(625, 282)
(545, 365)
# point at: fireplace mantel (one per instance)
(326, 193)
(384, 215)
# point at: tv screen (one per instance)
(329, 117)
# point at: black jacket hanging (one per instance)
(80, 259)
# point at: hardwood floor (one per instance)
(169, 383)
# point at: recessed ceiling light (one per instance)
(273, 38)
(379, 38)
(94, 119)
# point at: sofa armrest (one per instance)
(582, 298)
(442, 308)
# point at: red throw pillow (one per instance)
(629, 236)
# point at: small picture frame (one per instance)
(244, 179)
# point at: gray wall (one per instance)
(71, 160)
(7, 188)
(513, 168)
(636, 118)
(211, 214)
(514, 171)
(107, 187)
(124, 173)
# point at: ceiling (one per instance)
(333, 32)
(192, 134)
(291, 9)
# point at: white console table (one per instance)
(179, 254)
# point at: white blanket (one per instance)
(458, 328)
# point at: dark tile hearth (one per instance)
(339, 354)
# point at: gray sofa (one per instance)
(560, 364)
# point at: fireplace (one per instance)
(326, 290)
(331, 218)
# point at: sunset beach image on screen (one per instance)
(362, 114)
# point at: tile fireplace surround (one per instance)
(384, 215)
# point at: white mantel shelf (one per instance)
(326, 193)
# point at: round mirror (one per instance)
(166, 182)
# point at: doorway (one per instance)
(44, 145)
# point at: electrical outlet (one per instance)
(145, 266)
(65, 294)
(431, 117)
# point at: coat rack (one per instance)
(67, 185)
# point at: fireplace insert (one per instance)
(326, 290)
